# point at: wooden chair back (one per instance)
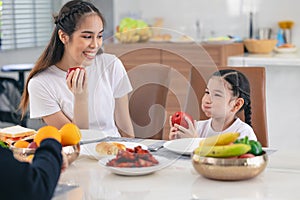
(147, 101)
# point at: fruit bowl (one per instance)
(26, 154)
(134, 35)
(260, 46)
(229, 168)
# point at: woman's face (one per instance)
(217, 101)
(85, 42)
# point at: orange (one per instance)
(47, 132)
(70, 134)
(21, 144)
(30, 158)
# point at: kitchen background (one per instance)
(216, 18)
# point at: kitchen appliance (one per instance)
(286, 31)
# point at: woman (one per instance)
(92, 97)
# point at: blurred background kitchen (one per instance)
(199, 19)
(214, 18)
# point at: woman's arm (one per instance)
(57, 119)
(122, 117)
(77, 83)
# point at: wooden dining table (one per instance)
(87, 179)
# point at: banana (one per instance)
(221, 139)
(223, 151)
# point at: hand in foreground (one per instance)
(178, 131)
(65, 163)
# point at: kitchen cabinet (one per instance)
(180, 57)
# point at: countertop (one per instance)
(247, 59)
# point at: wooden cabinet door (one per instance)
(219, 53)
(133, 55)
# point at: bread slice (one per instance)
(109, 148)
(14, 133)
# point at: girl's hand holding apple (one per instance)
(185, 130)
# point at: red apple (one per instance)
(247, 155)
(32, 145)
(72, 69)
(178, 118)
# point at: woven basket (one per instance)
(259, 46)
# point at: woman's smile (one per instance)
(90, 55)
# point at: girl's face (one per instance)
(218, 100)
(81, 48)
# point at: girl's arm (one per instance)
(122, 117)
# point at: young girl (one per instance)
(93, 97)
(227, 93)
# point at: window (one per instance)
(25, 23)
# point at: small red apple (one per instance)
(178, 118)
(247, 155)
(32, 145)
(72, 69)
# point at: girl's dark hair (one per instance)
(67, 20)
(240, 87)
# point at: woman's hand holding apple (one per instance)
(76, 80)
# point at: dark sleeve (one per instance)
(21, 180)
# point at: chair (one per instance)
(10, 97)
(257, 79)
(148, 99)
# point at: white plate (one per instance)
(90, 149)
(269, 151)
(183, 146)
(219, 41)
(285, 50)
(90, 135)
(135, 171)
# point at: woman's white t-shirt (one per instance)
(107, 80)
(204, 129)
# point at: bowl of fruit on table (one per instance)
(224, 157)
(69, 136)
(132, 31)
